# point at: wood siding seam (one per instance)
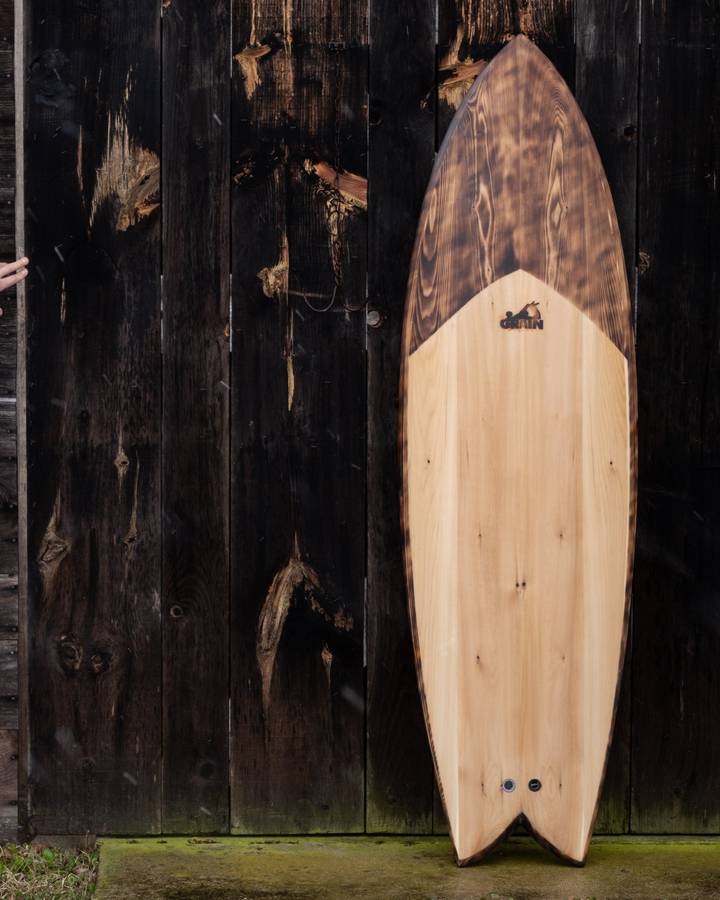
(11, 617)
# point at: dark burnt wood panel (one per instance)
(676, 682)
(402, 144)
(196, 406)
(92, 148)
(558, 163)
(298, 416)
(606, 88)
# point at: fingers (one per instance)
(10, 280)
(12, 267)
(11, 273)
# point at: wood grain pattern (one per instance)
(547, 240)
(93, 417)
(196, 407)
(676, 680)
(467, 236)
(518, 475)
(401, 145)
(472, 32)
(298, 416)
(470, 35)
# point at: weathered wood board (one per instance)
(675, 676)
(196, 414)
(9, 626)
(299, 156)
(606, 89)
(92, 163)
(399, 780)
(519, 465)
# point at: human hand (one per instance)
(11, 273)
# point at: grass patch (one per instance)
(28, 872)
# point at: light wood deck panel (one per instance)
(520, 481)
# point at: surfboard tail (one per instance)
(471, 846)
(571, 848)
(555, 826)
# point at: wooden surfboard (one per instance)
(519, 461)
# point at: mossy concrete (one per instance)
(376, 868)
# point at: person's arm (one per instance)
(11, 273)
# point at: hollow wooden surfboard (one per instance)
(519, 461)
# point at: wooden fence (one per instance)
(213, 630)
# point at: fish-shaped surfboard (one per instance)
(519, 461)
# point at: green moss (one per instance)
(33, 872)
(370, 868)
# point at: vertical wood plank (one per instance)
(8, 299)
(606, 88)
(93, 414)
(402, 145)
(196, 404)
(21, 419)
(9, 690)
(298, 416)
(676, 680)
(470, 34)
(7, 168)
(8, 349)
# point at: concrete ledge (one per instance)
(399, 868)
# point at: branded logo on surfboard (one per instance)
(528, 317)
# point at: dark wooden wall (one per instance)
(8, 456)
(217, 635)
